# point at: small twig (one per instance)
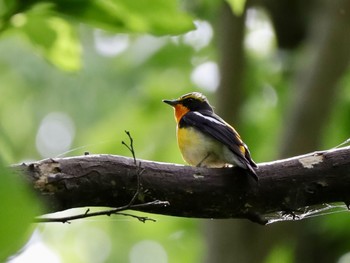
(115, 211)
(342, 144)
(139, 170)
(347, 205)
(131, 146)
(139, 186)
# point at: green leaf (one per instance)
(47, 25)
(156, 17)
(18, 208)
(237, 6)
(53, 37)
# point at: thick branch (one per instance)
(111, 181)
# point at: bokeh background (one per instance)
(75, 74)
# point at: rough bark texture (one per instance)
(106, 180)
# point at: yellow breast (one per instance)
(198, 148)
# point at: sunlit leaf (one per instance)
(237, 6)
(53, 37)
(48, 24)
(156, 17)
(147, 16)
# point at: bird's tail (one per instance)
(251, 171)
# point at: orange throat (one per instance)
(180, 111)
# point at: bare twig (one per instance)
(130, 205)
(139, 170)
(130, 146)
(347, 141)
(115, 211)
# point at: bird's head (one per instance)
(193, 101)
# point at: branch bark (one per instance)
(111, 181)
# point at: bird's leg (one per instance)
(200, 163)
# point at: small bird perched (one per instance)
(205, 139)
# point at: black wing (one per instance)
(214, 126)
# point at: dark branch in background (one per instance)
(109, 181)
(115, 211)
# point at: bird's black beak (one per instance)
(171, 102)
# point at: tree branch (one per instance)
(111, 181)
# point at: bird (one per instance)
(205, 139)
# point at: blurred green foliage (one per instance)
(117, 92)
(18, 207)
(49, 25)
(101, 100)
(237, 6)
(110, 95)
